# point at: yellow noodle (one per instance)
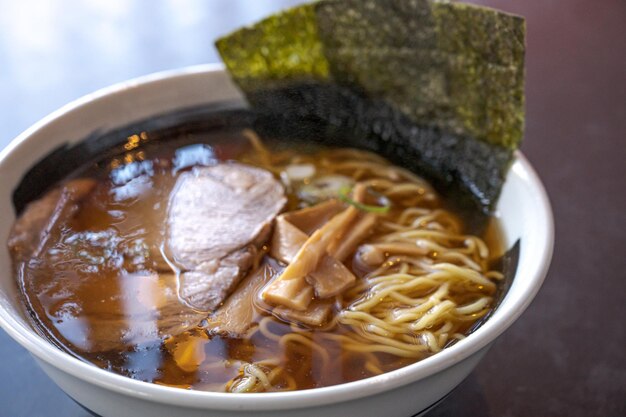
(409, 306)
(299, 338)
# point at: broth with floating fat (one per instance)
(310, 267)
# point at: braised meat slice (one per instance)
(218, 217)
(31, 230)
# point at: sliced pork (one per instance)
(31, 230)
(218, 217)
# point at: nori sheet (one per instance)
(453, 68)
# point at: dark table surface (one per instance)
(566, 356)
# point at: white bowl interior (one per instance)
(523, 210)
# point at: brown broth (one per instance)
(94, 291)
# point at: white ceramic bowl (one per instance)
(523, 208)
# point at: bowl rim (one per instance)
(508, 311)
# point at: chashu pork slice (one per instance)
(218, 217)
(33, 227)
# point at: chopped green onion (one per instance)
(344, 196)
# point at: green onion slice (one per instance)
(344, 195)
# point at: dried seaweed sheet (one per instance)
(454, 68)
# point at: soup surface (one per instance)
(233, 265)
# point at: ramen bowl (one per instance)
(523, 211)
